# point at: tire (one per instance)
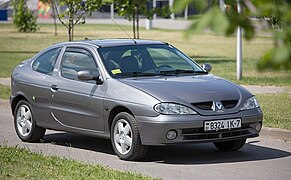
(125, 138)
(233, 145)
(25, 124)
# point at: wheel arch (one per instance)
(114, 112)
(16, 100)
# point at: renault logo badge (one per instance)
(216, 106)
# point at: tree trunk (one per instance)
(137, 25)
(133, 25)
(56, 27)
(54, 17)
(71, 24)
(69, 33)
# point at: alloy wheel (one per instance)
(122, 136)
(24, 120)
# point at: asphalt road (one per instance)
(260, 158)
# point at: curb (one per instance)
(267, 89)
(4, 103)
(266, 132)
(276, 133)
(5, 81)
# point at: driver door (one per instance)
(76, 103)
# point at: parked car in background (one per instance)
(137, 93)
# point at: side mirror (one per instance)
(87, 75)
(207, 67)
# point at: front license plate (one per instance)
(222, 124)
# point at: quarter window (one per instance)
(75, 60)
(45, 63)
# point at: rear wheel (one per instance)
(230, 145)
(125, 138)
(25, 124)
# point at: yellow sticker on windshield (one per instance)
(116, 71)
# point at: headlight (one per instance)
(172, 108)
(251, 103)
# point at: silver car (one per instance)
(137, 93)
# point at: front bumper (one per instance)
(190, 128)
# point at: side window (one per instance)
(75, 60)
(45, 63)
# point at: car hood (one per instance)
(192, 90)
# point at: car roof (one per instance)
(117, 42)
(122, 42)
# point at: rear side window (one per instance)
(45, 63)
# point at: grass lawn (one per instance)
(276, 109)
(22, 164)
(218, 50)
(5, 92)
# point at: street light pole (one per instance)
(238, 41)
(239, 46)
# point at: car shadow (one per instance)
(184, 154)
(206, 153)
(79, 141)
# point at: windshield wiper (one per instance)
(135, 74)
(200, 72)
(163, 72)
(176, 71)
(181, 71)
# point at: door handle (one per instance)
(54, 88)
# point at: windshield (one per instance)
(147, 60)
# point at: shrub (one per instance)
(23, 18)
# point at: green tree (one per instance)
(74, 14)
(52, 4)
(23, 18)
(276, 12)
(133, 9)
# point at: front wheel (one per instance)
(125, 138)
(25, 124)
(230, 145)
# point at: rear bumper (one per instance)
(190, 128)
